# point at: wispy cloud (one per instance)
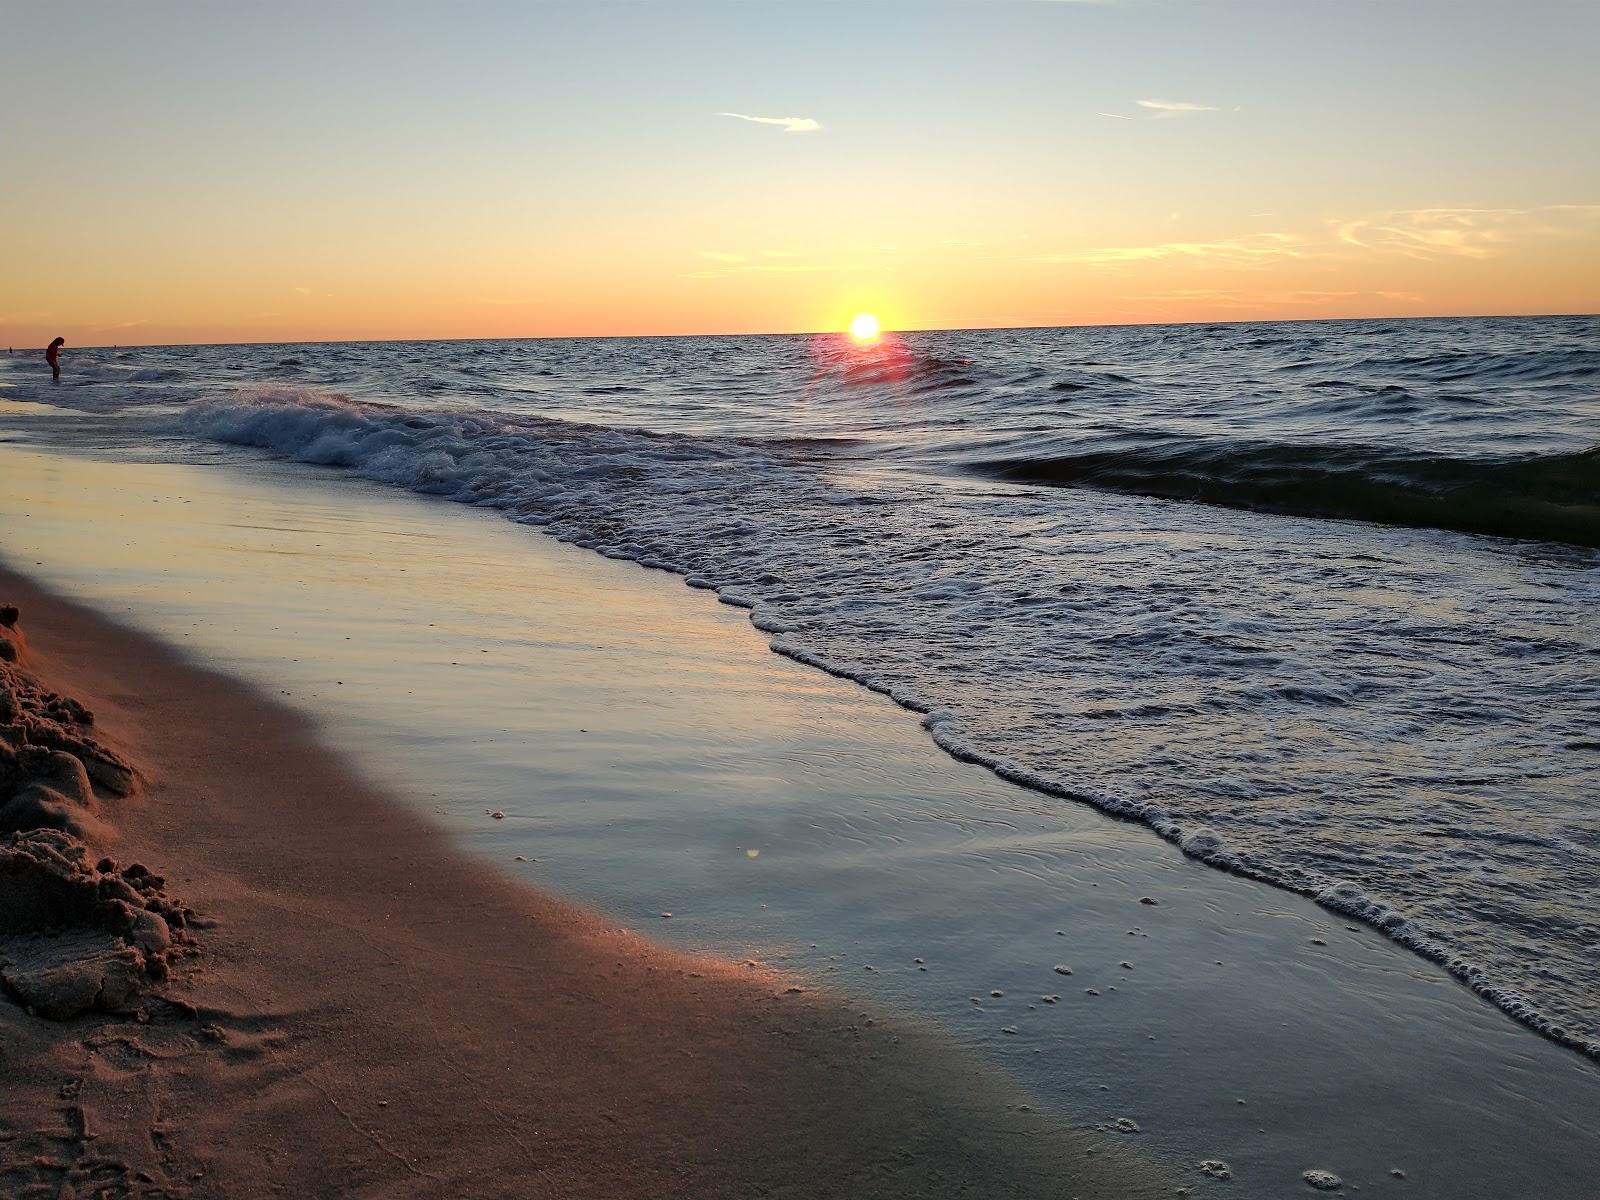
(1427, 234)
(1158, 110)
(1252, 250)
(1300, 297)
(1175, 108)
(789, 124)
(1478, 233)
(722, 256)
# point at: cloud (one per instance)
(1174, 108)
(1254, 250)
(1425, 234)
(790, 124)
(1115, 116)
(1474, 233)
(723, 256)
(1248, 301)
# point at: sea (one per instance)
(1317, 602)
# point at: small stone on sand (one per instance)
(1146, 900)
(1063, 969)
(498, 815)
(1323, 1181)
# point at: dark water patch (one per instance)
(1542, 497)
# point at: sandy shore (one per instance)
(365, 1011)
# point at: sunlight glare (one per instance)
(864, 327)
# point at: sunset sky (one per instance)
(263, 172)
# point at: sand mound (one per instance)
(48, 760)
(75, 936)
(75, 933)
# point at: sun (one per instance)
(864, 328)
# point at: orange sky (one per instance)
(387, 172)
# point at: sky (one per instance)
(272, 172)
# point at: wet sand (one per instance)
(366, 1011)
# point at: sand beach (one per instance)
(353, 1008)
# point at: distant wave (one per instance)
(1552, 497)
(1500, 367)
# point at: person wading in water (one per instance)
(50, 357)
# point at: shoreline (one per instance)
(1341, 899)
(370, 1012)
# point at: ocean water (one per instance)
(1314, 601)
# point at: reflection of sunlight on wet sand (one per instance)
(9, 406)
(328, 586)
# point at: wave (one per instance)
(1489, 367)
(1548, 497)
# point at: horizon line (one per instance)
(577, 337)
